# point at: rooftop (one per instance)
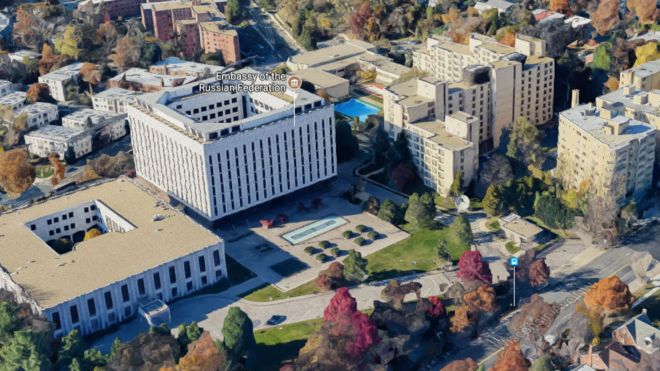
(332, 53)
(520, 226)
(144, 77)
(644, 334)
(38, 108)
(13, 98)
(633, 98)
(646, 69)
(441, 136)
(117, 93)
(51, 278)
(55, 133)
(588, 119)
(320, 78)
(95, 117)
(63, 73)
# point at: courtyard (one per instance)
(289, 244)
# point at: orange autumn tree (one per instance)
(609, 296)
(511, 359)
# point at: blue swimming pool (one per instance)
(314, 229)
(356, 108)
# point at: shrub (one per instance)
(324, 244)
(310, 250)
(359, 241)
(361, 228)
(347, 234)
(335, 252)
(373, 235)
(322, 257)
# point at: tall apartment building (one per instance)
(603, 148)
(442, 143)
(199, 25)
(147, 251)
(220, 152)
(644, 77)
(520, 79)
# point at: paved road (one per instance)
(210, 310)
(277, 45)
(567, 288)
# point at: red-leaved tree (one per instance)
(472, 267)
(436, 308)
(350, 327)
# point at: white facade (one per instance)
(39, 114)
(14, 100)
(57, 139)
(6, 87)
(113, 100)
(58, 80)
(221, 152)
(104, 124)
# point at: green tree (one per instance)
(188, 334)
(71, 346)
(8, 320)
(492, 201)
(461, 230)
(347, 145)
(68, 43)
(238, 334)
(355, 267)
(306, 38)
(553, 213)
(543, 363)
(298, 24)
(24, 351)
(388, 211)
(114, 348)
(421, 210)
(602, 57)
(456, 187)
(93, 357)
(524, 148)
(233, 11)
(443, 250)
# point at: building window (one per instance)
(216, 258)
(172, 275)
(202, 264)
(73, 310)
(175, 292)
(157, 280)
(91, 307)
(186, 269)
(33, 227)
(141, 290)
(218, 273)
(124, 293)
(204, 280)
(108, 300)
(57, 320)
(189, 286)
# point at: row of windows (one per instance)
(126, 297)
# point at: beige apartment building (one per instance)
(644, 77)
(517, 81)
(441, 143)
(603, 148)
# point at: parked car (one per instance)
(275, 320)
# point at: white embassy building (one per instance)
(147, 252)
(223, 152)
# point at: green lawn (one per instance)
(270, 292)
(417, 253)
(511, 247)
(44, 171)
(493, 224)
(277, 345)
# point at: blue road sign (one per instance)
(513, 261)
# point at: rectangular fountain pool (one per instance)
(314, 229)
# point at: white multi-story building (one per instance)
(39, 114)
(504, 83)
(644, 77)
(113, 100)
(14, 100)
(223, 152)
(443, 144)
(58, 80)
(101, 124)
(6, 87)
(147, 251)
(58, 139)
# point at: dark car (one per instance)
(276, 320)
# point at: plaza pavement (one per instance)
(209, 311)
